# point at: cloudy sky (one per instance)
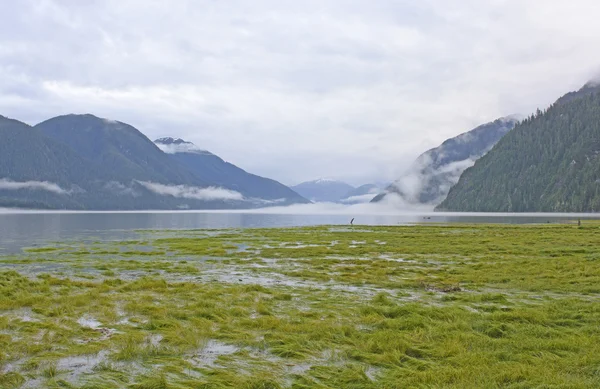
(296, 90)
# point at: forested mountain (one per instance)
(549, 163)
(210, 168)
(85, 162)
(434, 172)
(30, 156)
(323, 190)
(37, 170)
(117, 147)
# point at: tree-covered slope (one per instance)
(85, 162)
(212, 169)
(118, 148)
(27, 155)
(37, 170)
(434, 172)
(549, 163)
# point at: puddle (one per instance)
(10, 367)
(371, 373)
(25, 315)
(33, 384)
(93, 324)
(277, 279)
(155, 339)
(297, 245)
(208, 355)
(348, 229)
(388, 257)
(75, 366)
(89, 323)
(242, 248)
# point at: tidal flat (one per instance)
(425, 306)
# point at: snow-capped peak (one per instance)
(177, 145)
(325, 181)
(172, 141)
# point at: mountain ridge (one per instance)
(550, 162)
(323, 190)
(429, 179)
(86, 162)
(210, 167)
(116, 146)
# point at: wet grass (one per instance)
(449, 306)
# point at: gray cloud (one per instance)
(6, 184)
(296, 90)
(192, 192)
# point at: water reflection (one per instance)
(20, 229)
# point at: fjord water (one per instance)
(20, 229)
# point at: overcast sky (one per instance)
(296, 90)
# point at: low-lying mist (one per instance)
(392, 204)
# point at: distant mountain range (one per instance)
(434, 172)
(549, 163)
(85, 162)
(334, 191)
(362, 194)
(211, 168)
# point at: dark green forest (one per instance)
(550, 162)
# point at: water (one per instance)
(20, 229)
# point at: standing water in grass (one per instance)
(455, 306)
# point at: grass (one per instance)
(448, 306)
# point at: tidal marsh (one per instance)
(448, 306)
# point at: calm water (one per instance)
(28, 228)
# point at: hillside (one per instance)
(323, 190)
(434, 172)
(37, 170)
(85, 162)
(118, 148)
(549, 163)
(208, 167)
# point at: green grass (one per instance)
(437, 306)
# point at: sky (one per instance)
(296, 90)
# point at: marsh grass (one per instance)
(452, 306)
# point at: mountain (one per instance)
(210, 168)
(362, 194)
(117, 147)
(434, 172)
(36, 170)
(549, 163)
(85, 162)
(323, 190)
(132, 172)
